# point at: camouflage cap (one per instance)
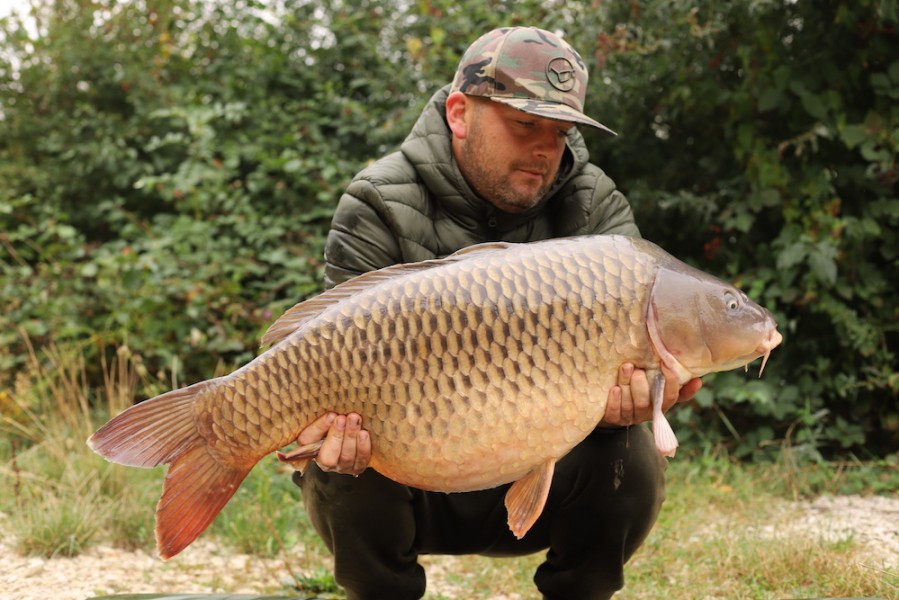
(530, 69)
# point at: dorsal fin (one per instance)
(294, 317)
(483, 248)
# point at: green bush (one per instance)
(168, 175)
(759, 142)
(169, 172)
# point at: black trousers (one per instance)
(605, 497)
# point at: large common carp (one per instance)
(471, 371)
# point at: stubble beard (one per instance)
(495, 186)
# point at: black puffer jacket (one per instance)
(415, 205)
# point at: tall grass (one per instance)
(59, 499)
(62, 495)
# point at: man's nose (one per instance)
(547, 142)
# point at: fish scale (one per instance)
(469, 372)
(461, 355)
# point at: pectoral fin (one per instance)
(666, 441)
(527, 497)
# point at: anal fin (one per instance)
(299, 457)
(527, 497)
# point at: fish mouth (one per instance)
(768, 344)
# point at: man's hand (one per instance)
(346, 447)
(629, 402)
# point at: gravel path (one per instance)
(871, 521)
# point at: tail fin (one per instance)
(196, 489)
(163, 430)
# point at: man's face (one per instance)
(510, 157)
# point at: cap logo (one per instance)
(561, 74)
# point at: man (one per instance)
(494, 156)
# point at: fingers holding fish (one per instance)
(626, 407)
(629, 402)
(619, 406)
(638, 385)
(317, 430)
(689, 390)
(612, 416)
(359, 457)
(346, 447)
(336, 442)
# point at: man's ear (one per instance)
(457, 107)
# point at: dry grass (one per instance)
(63, 494)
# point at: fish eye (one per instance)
(731, 301)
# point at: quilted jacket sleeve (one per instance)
(359, 240)
(612, 214)
(592, 204)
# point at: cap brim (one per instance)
(551, 110)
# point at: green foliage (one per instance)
(168, 171)
(759, 142)
(168, 176)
